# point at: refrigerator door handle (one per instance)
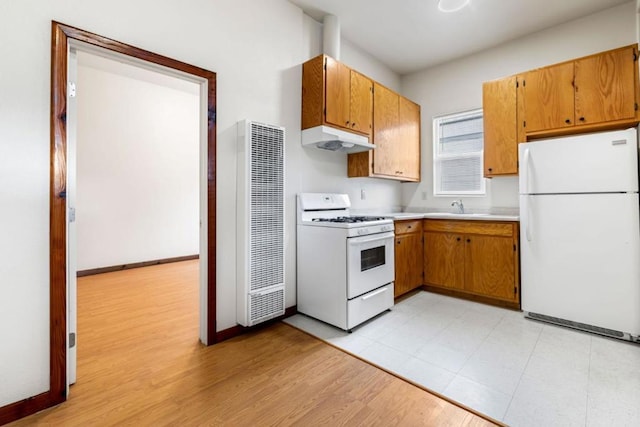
(527, 220)
(525, 166)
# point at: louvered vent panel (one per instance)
(260, 226)
(266, 207)
(266, 305)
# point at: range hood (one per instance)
(333, 139)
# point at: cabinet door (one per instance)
(361, 108)
(604, 87)
(409, 260)
(385, 131)
(337, 93)
(313, 83)
(499, 105)
(549, 97)
(409, 137)
(444, 260)
(490, 266)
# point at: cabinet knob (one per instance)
(398, 242)
(468, 240)
(408, 226)
(347, 122)
(568, 121)
(490, 169)
(581, 119)
(458, 239)
(353, 124)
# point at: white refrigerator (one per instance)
(580, 232)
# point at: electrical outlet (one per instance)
(363, 194)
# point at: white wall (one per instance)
(137, 166)
(255, 48)
(457, 86)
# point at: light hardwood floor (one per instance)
(140, 363)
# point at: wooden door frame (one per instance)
(60, 36)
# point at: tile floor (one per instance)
(515, 370)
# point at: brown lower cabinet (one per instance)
(475, 259)
(408, 256)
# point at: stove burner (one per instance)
(350, 219)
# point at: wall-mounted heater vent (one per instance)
(260, 222)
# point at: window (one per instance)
(457, 154)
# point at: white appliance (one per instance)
(345, 263)
(260, 224)
(333, 139)
(580, 232)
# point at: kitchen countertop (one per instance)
(403, 215)
(474, 216)
(480, 216)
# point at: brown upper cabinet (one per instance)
(361, 103)
(335, 95)
(410, 139)
(582, 95)
(386, 115)
(594, 93)
(500, 127)
(605, 86)
(548, 98)
(396, 134)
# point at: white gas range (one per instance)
(345, 263)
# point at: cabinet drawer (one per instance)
(404, 227)
(470, 227)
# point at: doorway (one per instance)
(63, 39)
(133, 180)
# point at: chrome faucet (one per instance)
(459, 204)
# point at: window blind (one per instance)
(458, 149)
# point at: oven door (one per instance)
(370, 263)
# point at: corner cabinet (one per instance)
(474, 259)
(335, 95)
(396, 134)
(408, 256)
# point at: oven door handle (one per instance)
(371, 238)
(373, 294)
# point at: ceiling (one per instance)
(410, 35)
